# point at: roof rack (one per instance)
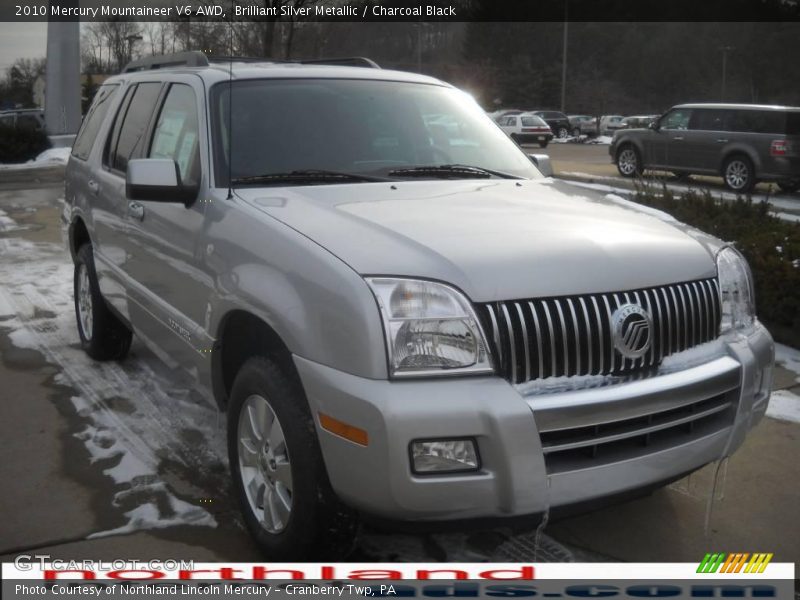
(349, 61)
(198, 59)
(179, 59)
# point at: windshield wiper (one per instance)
(305, 176)
(450, 172)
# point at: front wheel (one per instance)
(278, 473)
(739, 174)
(628, 163)
(563, 133)
(103, 335)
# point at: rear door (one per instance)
(705, 141)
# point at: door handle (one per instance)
(722, 141)
(136, 210)
(94, 187)
(678, 138)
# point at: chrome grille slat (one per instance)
(568, 336)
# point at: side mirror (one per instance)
(654, 125)
(542, 162)
(157, 180)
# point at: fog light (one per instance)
(444, 456)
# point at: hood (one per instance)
(494, 239)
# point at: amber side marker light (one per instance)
(348, 432)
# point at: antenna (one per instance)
(230, 108)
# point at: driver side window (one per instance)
(677, 119)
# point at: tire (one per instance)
(576, 132)
(544, 143)
(103, 336)
(562, 132)
(789, 186)
(681, 175)
(282, 486)
(629, 164)
(739, 174)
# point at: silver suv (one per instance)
(744, 143)
(402, 322)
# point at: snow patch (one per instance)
(48, 158)
(788, 358)
(784, 406)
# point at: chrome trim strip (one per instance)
(567, 410)
(539, 344)
(524, 342)
(548, 449)
(512, 343)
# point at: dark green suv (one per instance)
(744, 143)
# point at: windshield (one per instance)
(359, 127)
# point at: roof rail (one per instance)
(179, 59)
(349, 61)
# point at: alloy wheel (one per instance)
(264, 465)
(628, 162)
(737, 174)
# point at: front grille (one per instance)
(579, 447)
(572, 335)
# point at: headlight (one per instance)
(431, 329)
(736, 287)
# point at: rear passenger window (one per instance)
(710, 120)
(176, 133)
(760, 121)
(129, 137)
(94, 119)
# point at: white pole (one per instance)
(62, 105)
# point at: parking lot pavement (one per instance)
(122, 460)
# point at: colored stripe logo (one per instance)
(737, 562)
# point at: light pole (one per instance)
(564, 58)
(725, 50)
(132, 39)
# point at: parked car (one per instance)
(610, 123)
(558, 122)
(497, 115)
(583, 125)
(638, 122)
(26, 118)
(743, 143)
(393, 325)
(526, 129)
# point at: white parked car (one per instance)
(610, 123)
(526, 129)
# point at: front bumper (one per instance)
(534, 448)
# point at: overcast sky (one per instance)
(21, 40)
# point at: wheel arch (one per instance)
(78, 236)
(242, 335)
(737, 150)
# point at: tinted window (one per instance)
(357, 126)
(707, 119)
(793, 123)
(759, 121)
(94, 119)
(676, 119)
(176, 132)
(132, 132)
(532, 122)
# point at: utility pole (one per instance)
(725, 50)
(564, 58)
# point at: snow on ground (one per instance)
(48, 158)
(785, 406)
(788, 358)
(604, 140)
(133, 413)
